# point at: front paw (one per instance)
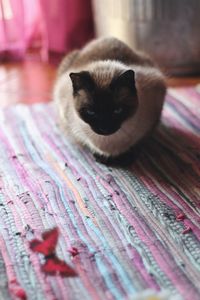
(101, 158)
(123, 160)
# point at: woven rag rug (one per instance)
(133, 229)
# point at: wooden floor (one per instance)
(27, 82)
(32, 82)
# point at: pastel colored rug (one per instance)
(133, 229)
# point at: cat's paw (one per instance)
(123, 160)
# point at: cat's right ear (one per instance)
(81, 80)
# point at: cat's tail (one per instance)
(67, 62)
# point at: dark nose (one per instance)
(105, 130)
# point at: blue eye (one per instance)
(90, 112)
(118, 111)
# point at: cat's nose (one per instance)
(103, 130)
(106, 131)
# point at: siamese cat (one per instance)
(109, 98)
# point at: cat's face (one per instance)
(104, 109)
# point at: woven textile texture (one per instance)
(135, 228)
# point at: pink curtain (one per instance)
(47, 25)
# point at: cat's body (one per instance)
(109, 97)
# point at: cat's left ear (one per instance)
(126, 79)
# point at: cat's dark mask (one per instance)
(105, 108)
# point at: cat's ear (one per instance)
(81, 80)
(126, 79)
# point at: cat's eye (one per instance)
(118, 110)
(90, 112)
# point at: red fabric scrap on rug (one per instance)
(180, 217)
(53, 265)
(48, 245)
(16, 290)
(73, 251)
(21, 294)
(186, 230)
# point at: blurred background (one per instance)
(43, 31)
(29, 28)
(167, 29)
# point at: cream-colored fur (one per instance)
(150, 87)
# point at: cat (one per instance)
(109, 98)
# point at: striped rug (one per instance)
(135, 229)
